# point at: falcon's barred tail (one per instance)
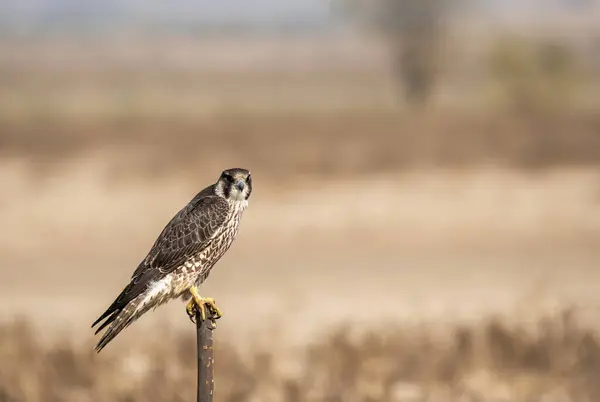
(120, 319)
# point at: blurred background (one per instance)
(425, 223)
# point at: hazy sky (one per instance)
(203, 9)
(43, 15)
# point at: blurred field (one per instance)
(557, 359)
(285, 107)
(444, 254)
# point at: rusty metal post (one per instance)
(206, 359)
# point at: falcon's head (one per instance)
(234, 184)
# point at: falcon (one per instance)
(183, 255)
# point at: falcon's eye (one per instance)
(227, 177)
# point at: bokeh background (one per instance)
(425, 223)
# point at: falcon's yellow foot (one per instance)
(200, 304)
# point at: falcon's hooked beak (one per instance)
(240, 184)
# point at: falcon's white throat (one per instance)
(236, 195)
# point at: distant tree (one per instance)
(414, 29)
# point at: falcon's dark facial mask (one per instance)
(234, 184)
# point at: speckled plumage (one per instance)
(184, 252)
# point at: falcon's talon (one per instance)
(190, 308)
(200, 304)
(210, 302)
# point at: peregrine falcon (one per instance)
(183, 255)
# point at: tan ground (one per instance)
(424, 246)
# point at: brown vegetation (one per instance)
(556, 360)
(333, 144)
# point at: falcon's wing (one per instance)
(187, 234)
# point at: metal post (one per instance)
(206, 360)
